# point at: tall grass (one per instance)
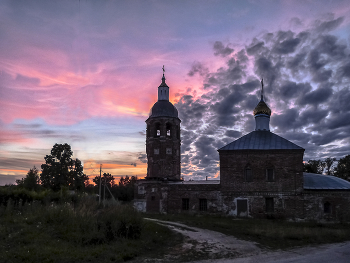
(76, 232)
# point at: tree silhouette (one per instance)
(314, 166)
(105, 178)
(342, 169)
(329, 165)
(60, 170)
(31, 181)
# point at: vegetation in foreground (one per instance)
(269, 233)
(84, 232)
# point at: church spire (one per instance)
(262, 113)
(163, 78)
(163, 89)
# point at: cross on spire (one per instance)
(262, 89)
(163, 78)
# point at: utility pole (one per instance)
(104, 192)
(99, 191)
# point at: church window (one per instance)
(157, 130)
(203, 206)
(168, 129)
(169, 151)
(248, 174)
(153, 198)
(156, 151)
(270, 177)
(327, 208)
(269, 204)
(185, 203)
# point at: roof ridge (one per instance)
(261, 140)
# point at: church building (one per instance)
(261, 174)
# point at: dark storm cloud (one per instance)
(255, 47)
(327, 26)
(199, 68)
(221, 50)
(317, 96)
(306, 76)
(291, 89)
(345, 70)
(233, 134)
(287, 46)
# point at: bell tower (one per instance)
(163, 138)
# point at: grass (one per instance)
(269, 233)
(84, 233)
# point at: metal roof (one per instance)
(197, 182)
(324, 182)
(261, 140)
(163, 108)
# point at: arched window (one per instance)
(327, 208)
(157, 130)
(248, 173)
(168, 129)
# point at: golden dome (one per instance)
(262, 108)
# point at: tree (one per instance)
(31, 181)
(342, 169)
(60, 170)
(105, 178)
(329, 165)
(314, 166)
(126, 188)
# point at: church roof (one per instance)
(163, 108)
(324, 182)
(261, 140)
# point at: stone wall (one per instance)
(287, 167)
(338, 205)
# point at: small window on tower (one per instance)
(169, 151)
(168, 129)
(157, 126)
(156, 151)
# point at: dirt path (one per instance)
(210, 244)
(220, 248)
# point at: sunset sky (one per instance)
(86, 73)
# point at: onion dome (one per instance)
(163, 108)
(262, 108)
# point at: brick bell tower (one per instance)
(163, 138)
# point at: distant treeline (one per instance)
(61, 172)
(330, 166)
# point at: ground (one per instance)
(210, 246)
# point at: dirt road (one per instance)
(220, 248)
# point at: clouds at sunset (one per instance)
(86, 73)
(306, 85)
